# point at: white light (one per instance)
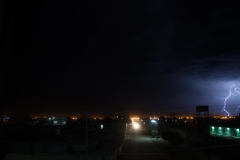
(49, 119)
(153, 121)
(101, 126)
(136, 125)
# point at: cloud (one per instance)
(224, 67)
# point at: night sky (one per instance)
(120, 57)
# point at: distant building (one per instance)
(123, 117)
(65, 142)
(217, 116)
(225, 129)
(61, 120)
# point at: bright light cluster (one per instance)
(156, 118)
(135, 122)
(136, 125)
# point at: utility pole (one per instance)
(125, 134)
(86, 136)
(174, 121)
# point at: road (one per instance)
(143, 147)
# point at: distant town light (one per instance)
(227, 128)
(49, 119)
(101, 126)
(237, 130)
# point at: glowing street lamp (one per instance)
(136, 126)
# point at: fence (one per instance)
(207, 140)
(12, 156)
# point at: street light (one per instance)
(153, 121)
(136, 125)
(154, 128)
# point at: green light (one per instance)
(227, 128)
(237, 130)
(220, 127)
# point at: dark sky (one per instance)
(120, 57)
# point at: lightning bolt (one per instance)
(225, 100)
(231, 90)
(237, 109)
